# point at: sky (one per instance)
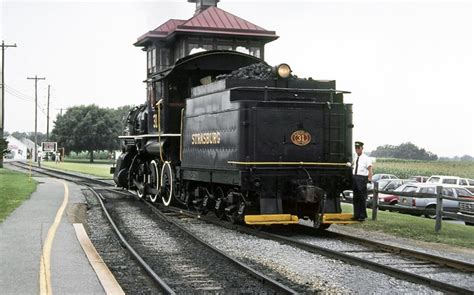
(408, 64)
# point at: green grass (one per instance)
(15, 188)
(96, 161)
(96, 169)
(417, 228)
(407, 168)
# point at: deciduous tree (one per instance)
(87, 128)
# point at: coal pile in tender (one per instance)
(258, 71)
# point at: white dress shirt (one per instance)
(362, 163)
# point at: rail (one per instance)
(440, 213)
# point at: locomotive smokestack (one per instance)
(201, 5)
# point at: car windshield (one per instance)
(383, 183)
(462, 192)
(409, 189)
(393, 185)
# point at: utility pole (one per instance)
(47, 118)
(36, 113)
(2, 105)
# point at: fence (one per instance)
(440, 213)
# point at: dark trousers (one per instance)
(359, 189)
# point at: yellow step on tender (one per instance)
(268, 219)
(338, 218)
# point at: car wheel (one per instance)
(393, 203)
(429, 215)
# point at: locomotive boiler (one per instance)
(223, 132)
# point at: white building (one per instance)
(31, 145)
(18, 150)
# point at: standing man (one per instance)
(361, 174)
(40, 154)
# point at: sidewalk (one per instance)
(25, 231)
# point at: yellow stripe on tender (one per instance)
(271, 219)
(338, 218)
(288, 163)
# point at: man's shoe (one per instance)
(361, 219)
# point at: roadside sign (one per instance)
(49, 146)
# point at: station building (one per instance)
(18, 149)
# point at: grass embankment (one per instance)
(407, 168)
(15, 187)
(97, 169)
(417, 228)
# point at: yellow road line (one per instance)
(106, 278)
(45, 264)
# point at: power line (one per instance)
(18, 96)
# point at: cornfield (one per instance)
(407, 168)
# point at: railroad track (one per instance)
(177, 260)
(405, 264)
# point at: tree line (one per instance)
(82, 128)
(406, 150)
(89, 128)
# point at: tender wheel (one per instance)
(220, 202)
(154, 180)
(167, 184)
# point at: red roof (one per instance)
(169, 26)
(217, 18)
(212, 20)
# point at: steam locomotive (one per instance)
(222, 131)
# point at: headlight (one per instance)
(283, 71)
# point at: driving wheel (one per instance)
(167, 183)
(154, 180)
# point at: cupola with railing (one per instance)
(210, 28)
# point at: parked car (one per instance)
(417, 204)
(419, 178)
(376, 178)
(347, 196)
(443, 179)
(468, 209)
(467, 183)
(388, 185)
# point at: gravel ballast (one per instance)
(318, 273)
